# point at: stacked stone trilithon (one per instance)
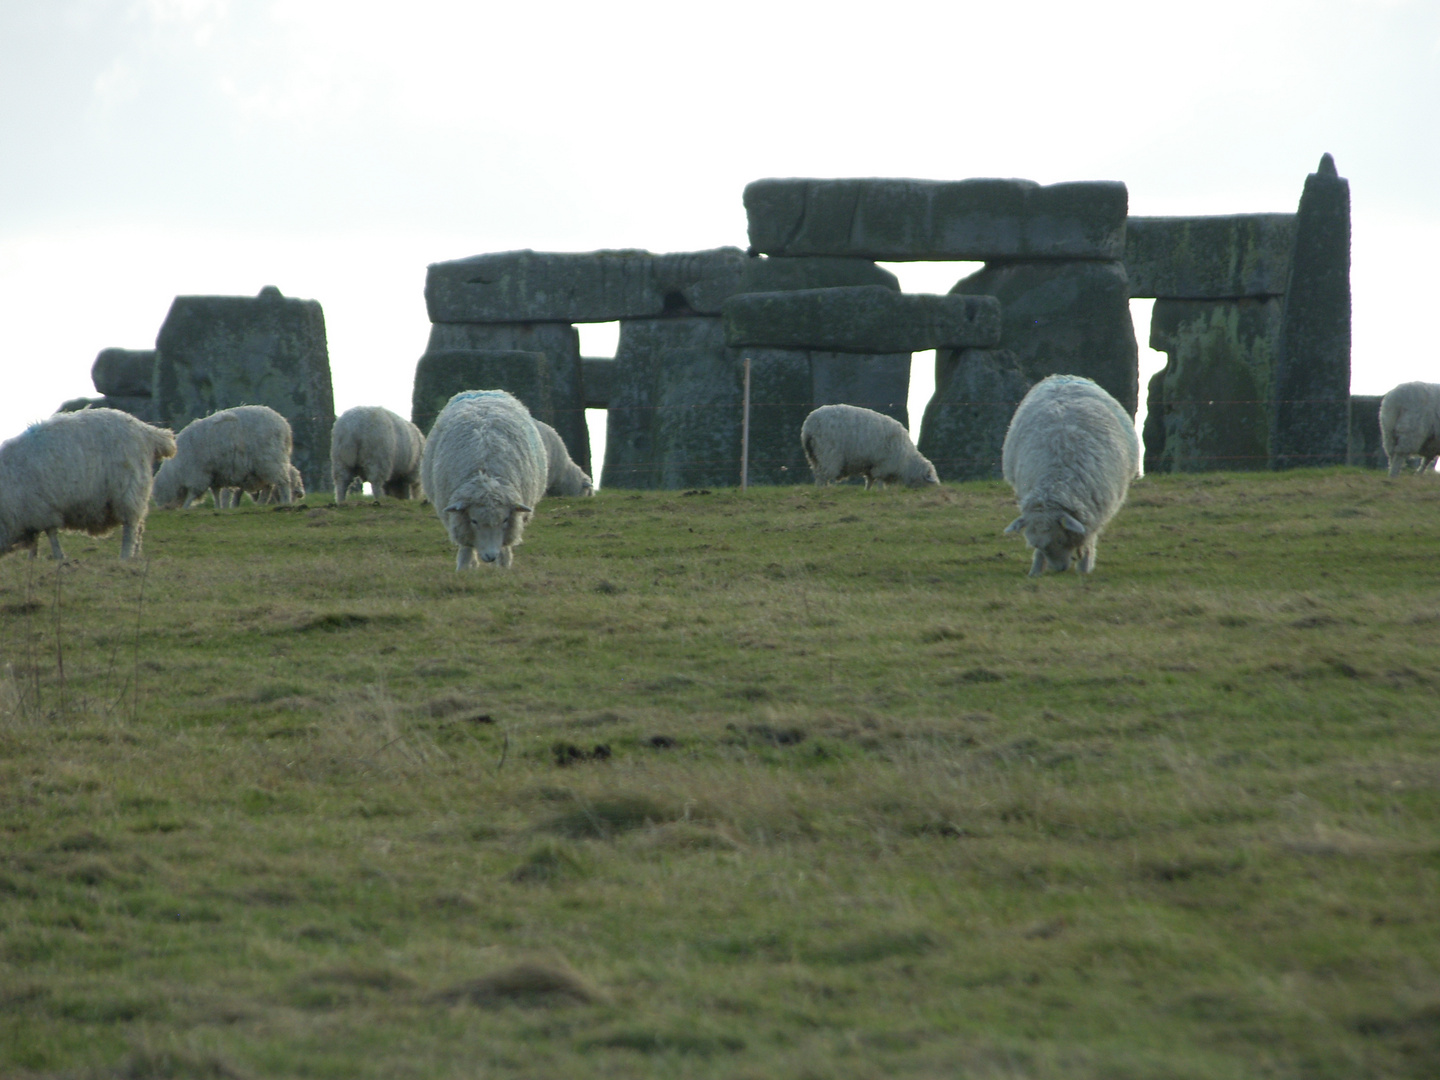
(674, 388)
(217, 352)
(1253, 311)
(1054, 262)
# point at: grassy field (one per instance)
(788, 783)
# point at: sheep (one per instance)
(1070, 454)
(846, 440)
(566, 478)
(1410, 425)
(372, 443)
(247, 447)
(484, 468)
(84, 471)
(271, 494)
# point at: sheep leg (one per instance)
(467, 558)
(342, 484)
(55, 552)
(506, 558)
(1037, 564)
(1087, 558)
(129, 541)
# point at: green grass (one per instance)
(796, 782)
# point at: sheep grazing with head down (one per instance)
(565, 478)
(372, 443)
(1070, 454)
(270, 494)
(247, 447)
(846, 440)
(85, 471)
(484, 468)
(1410, 425)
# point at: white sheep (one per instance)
(846, 440)
(565, 478)
(1410, 425)
(247, 447)
(1070, 454)
(271, 494)
(484, 469)
(372, 443)
(85, 471)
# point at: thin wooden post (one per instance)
(745, 432)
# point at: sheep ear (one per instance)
(1072, 524)
(522, 509)
(1016, 525)
(455, 508)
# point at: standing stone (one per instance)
(900, 219)
(780, 399)
(1066, 318)
(675, 399)
(1312, 377)
(124, 373)
(1366, 451)
(216, 352)
(880, 382)
(1209, 409)
(439, 376)
(561, 345)
(976, 391)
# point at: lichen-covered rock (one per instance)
(439, 376)
(1209, 409)
(124, 373)
(219, 352)
(561, 345)
(900, 219)
(1366, 449)
(1209, 258)
(1066, 318)
(861, 319)
(976, 392)
(1312, 376)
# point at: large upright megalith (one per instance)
(216, 352)
(1312, 374)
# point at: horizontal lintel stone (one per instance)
(1220, 257)
(606, 286)
(863, 319)
(932, 220)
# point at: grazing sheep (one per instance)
(484, 468)
(1070, 454)
(247, 447)
(372, 443)
(566, 478)
(271, 494)
(846, 440)
(84, 471)
(1410, 425)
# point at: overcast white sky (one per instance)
(333, 148)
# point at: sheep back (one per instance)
(1070, 454)
(564, 477)
(85, 471)
(484, 468)
(247, 447)
(373, 444)
(1410, 424)
(847, 440)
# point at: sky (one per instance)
(335, 148)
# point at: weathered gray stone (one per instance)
(861, 319)
(1065, 318)
(216, 352)
(439, 376)
(598, 372)
(1209, 258)
(561, 345)
(1366, 450)
(900, 220)
(675, 401)
(880, 382)
(606, 286)
(976, 391)
(1312, 380)
(780, 399)
(1209, 409)
(124, 372)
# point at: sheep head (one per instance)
(1058, 537)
